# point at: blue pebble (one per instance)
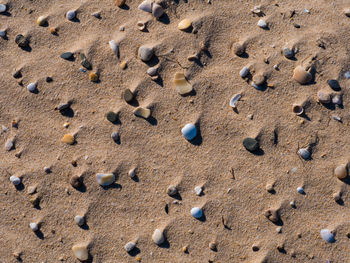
(196, 212)
(327, 236)
(300, 190)
(189, 131)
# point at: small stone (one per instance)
(301, 75)
(31, 87)
(63, 106)
(279, 229)
(327, 235)
(21, 41)
(323, 97)
(292, 204)
(185, 249)
(120, 3)
(251, 144)
(66, 124)
(258, 79)
(341, 172)
(157, 10)
(17, 74)
(142, 112)
(182, 86)
(269, 188)
(296, 25)
(171, 191)
(255, 248)
(68, 139)
(105, 179)
(115, 136)
(3, 8)
(262, 24)
(244, 72)
(347, 12)
(93, 77)
(3, 33)
(132, 173)
(70, 15)
(41, 21)
(337, 196)
(288, 53)
(34, 227)
(152, 71)
(9, 145)
(146, 6)
(32, 189)
(81, 252)
(158, 237)
(115, 47)
(123, 65)
(189, 131)
(272, 215)
(128, 95)
(111, 116)
(300, 190)
(238, 49)
(196, 212)
(53, 30)
(298, 109)
(76, 181)
(15, 180)
(86, 64)
(48, 79)
(129, 246)
(97, 15)
(193, 57)
(145, 53)
(67, 55)
(334, 84)
(212, 246)
(79, 220)
(198, 190)
(304, 153)
(184, 24)
(337, 99)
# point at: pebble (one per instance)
(115, 136)
(152, 71)
(292, 204)
(300, 190)
(269, 188)
(341, 172)
(142, 112)
(327, 235)
(75, 181)
(337, 99)
(337, 118)
(272, 215)
(9, 145)
(31, 87)
(146, 6)
(171, 191)
(21, 41)
(3, 8)
(198, 190)
(120, 3)
(145, 53)
(298, 109)
(244, 72)
(128, 95)
(184, 24)
(47, 170)
(196, 212)
(67, 55)
(258, 79)
(15, 180)
(129, 246)
(323, 97)
(304, 153)
(97, 15)
(63, 106)
(81, 252)
(189, 131)
(212, 246)
(347, 12)
(347, 75)
(237, 49)
(68, 139)
(41, 20)
(288, 53)
(279, 229)
(34, 227)
(182, 86)
(32, 189)
(157, 10)
(115, 47)
(53, 30)
(85, 62)
(301, 75)
(123, 65)
(111, 116)
(334, 84)
(105, 179)
(79, 220)
(337, 196)
(250, 144)
(262, 23)
(3, 33)
(234, 100)
(93, 77)
(70, 15)
(132, 172)
(158, 237)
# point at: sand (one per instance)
(133, 209)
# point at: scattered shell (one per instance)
(75, 181)
(41, 20)
(262, 23)
(9, 145)
(341, 172)
(68, 139)
(70, 15)
(128, 95)
(81, 252)
(21, 41)
(189, 131)
(152, 71)
(111, 116)
(323, 97)
(237, 49)
(31, 87)
(337, 99)
(272, 215)
(234, 100)
(141, 25)
(258, 79)
(298, 109)
(15, 180)
(244, 72)
(132, 172)
(145, 53)
(327, 235)
(301, 75)
(157, 10)
(3, 8)
(300, 190)
(334, 84)
(115, 136)
(171, 191)
(146, 6)
(198, 190)
(120, 3)
(142, 112)
(196, 212)
(182, 86)
(184, 24)
(115, 47)
(251, 144)
(129, 246)
(79, 220)
(34, 227)
(105, 179)
(93, 77)
(304, 153)
(288, 53)
(158, 237)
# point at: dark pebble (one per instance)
(49, 79)
(75, 181)
(67, 55)
(21, 41)
(296, 25)
(86, 64)
(17, 74)
(127, 95)
(111, 116)
(251, 144)
(334, 84)
(288, 53)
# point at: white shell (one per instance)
(79, 220)
(34, 226)
(8, 145)
(327, 235)
(262, 23)
(146, 6)
(31, 87)
(15, 180)
(105, 179)
(244, 72)
(234, 100)
(70, 15)
(158, 237)
(198, 190)
(129, 246)
(2, 8)
(115, 47)
(132, 172)
(304, 153)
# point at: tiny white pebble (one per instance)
(129, 246)
(4, 129)
(306, 11)
(132, 172)
(34, 226)
(275, 67)
(198, 190)
(86, 157)
(15, 180)
(279, 229)
(70, 15)
(79, 220)
(337, 118)
(300, 190)
(115, 136)
(262, 23)
(31, 87)
(229, 190)
(292, 203)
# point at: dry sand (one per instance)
(131, 209)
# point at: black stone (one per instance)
(67, 55)
(17, 74)
(49, 79)
(21, 41)
(251, 144)
(86, 64)
(111, 116)
(334, 84)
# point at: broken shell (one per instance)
(237, 49)
(181, 84)
(105, 179)
(184, 24)
(304, 153)
(157, 10)
(141, 25)
(340, 172)
(298, 109)
(234, 100)
(146, 6)
(323, 97)
(301, 75)
(142, 112)
(115, 47)
(41, 20)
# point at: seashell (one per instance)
(141, 25)
(81, 252)
(31, 87)
(189, 131)
(68, 139)
(142, 112)
(237, 49)
(115, 47)
(262, 24)
(323, 97)
(341, 172)
(182, 86)
(71, 14)
(105, 179)
(301, 75)
(298, 109)
(129, 246)
(3, 8)
(157, 10)
(146, 6)
(15, 180)
(244, 72)
(327, 235)
(184, 24)
(152, 71)
(337, 99)
(234, 100)
(304, 153)
(158, 237)
(41, 20)
(145, 53)
(258, 79)
(196, 212)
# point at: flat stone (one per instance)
(182, 86)
(341, 172)
(158, 237)
(184, 24)
(63, 106)
(129, 246)
(67, 55)
(323, 97)
(128, 95)
(105, 179)
(145, 53)
(81, 252)
(68, 139)
(111, 116)
(21, 41)
(251, 144)
(142, 112)
(76, 181)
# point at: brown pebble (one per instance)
(340, 172)
(93, 77)
(68, 139)
(123, 65)
(272, 215)
(74, 163)
(301, 75)
(237, 49)
(53, 30)
(258, 79)
(212, 246)
(323, 96)
(120, 3)
(75, 181)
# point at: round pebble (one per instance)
(262, 24)
(70, 15)
(145, 53)
(31, 87)
(3, 8)
(251, 144)
(3, 33)
(111, 116)
(323, 97)
(34, 227)
(259, 79)
(129, 246)
(41, 21)
(76, 181)
(327, 235)
(334, 84)
(115, 136)
(189, 131)
(337, 196)
(152, 71)
(157, 10)
(171, 191)
(269, 188)
(300, 190)
(244, 72)
(288, 53)
(68, 139)
(15, 180)
(67, 55)
(158, 237)
(237, 49)
(81, 252)
(304, 153)
(196, 212)
(79, 220)
(341, 172)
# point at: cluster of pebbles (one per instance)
(301, 75)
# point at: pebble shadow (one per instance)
(85, 226)
(134, 252)
(112, 186)
(164, 19)
(258, 152)
(67, 112)
(198, 140)
(39, 234)
(153, 121)
(82, 188)
(165, 244)
(20, 187)
(125, 7)
(6, 14)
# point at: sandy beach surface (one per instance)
(251, 209)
